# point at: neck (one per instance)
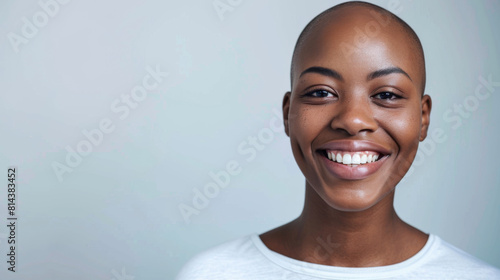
(372, 237)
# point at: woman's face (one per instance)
(356, 112)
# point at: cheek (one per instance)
(404, 129)
(302, 121)
(403, 125)
(305, 124)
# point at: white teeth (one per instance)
(364, 158)
(339, 158)
(356, 159)
(346, 159)
(353, 158)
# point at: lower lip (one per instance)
(358, 172)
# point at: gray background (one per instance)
(117, 212)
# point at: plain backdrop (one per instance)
(114, 211)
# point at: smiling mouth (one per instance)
(352, 158)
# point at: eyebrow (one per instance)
(323, 71)
(387, 71)
(336, 75)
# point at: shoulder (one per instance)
(454, 261)
(217, 262)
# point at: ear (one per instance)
(286, 109)
(426, 116)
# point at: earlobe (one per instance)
(286, 109)
(426, 116)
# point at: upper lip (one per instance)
(355, 146)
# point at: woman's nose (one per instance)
(354, 115)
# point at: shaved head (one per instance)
(334, 17)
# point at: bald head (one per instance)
(356, 18)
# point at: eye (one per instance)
(319, 93)
(386, 95)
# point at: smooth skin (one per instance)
(372, 93)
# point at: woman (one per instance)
(355, 115)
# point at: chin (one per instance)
(351, 200)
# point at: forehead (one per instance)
(356, 42)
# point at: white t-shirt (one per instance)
(248, 258)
